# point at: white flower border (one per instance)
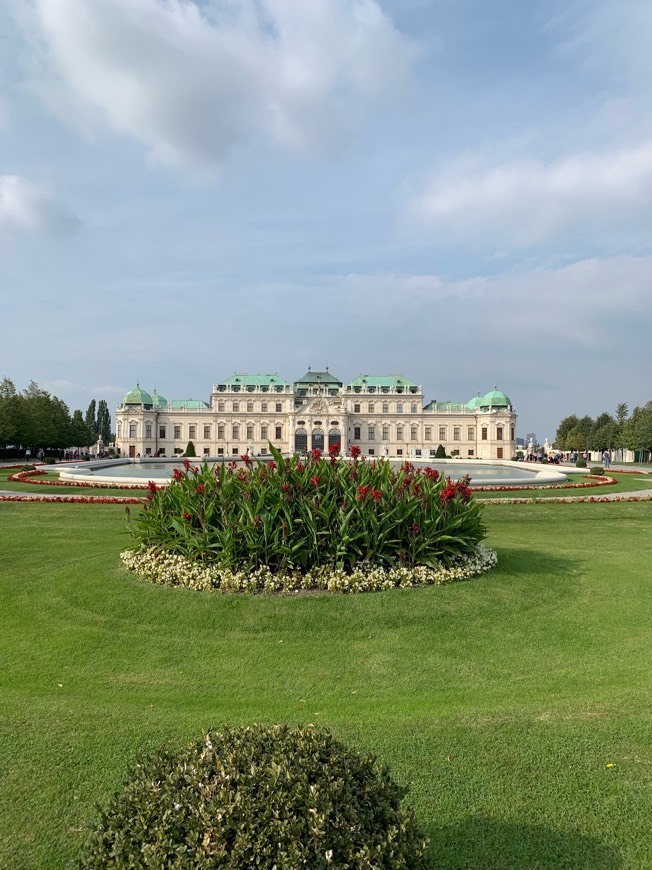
(169, 569)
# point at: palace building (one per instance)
(384, 415)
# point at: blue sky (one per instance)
(457, 190)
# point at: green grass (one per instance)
(501, 701)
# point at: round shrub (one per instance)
(581, 463)
(597, 469)
(257, 797)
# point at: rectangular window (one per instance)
(263, 407)
(192, 432)
(413, 433)
(499, 433)
(372, 452)
(220, 432)
(207, 431)
(399, 408)
(471, 433)
(499, 453)
(177, 431)
(235, 451)
(235, 432)
(399, 433)
(512, 431)
(148, 451)
(372, 433)
(220, 451)
(371, 407)
(457, 433)
(236, 407)
(385, 433)
(356, 433)
(413, 408)
(132, 430)
(161, 431)
(263, 451)
(250, 431)
(148, 430)
(356, 408)
(442, 433)
(119, 430)
(428, 435)
(220, 406)
(207, 450)
(484, 433)
(250, 407)
(279, 407)
(385, 407)
(471, 452)
(263, 431)
(279, 433)
(399, 451)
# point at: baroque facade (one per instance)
(382, 415)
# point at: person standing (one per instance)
(607, 459)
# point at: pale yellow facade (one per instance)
(384, 416)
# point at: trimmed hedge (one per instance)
(257, 797)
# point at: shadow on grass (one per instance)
(480, 842)
(513, 560)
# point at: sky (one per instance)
(459, 191)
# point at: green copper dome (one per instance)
(137, 397)
(159, 401)
(495, 399)
(474, 403)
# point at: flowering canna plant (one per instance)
(287, 516)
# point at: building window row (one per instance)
(251, 407)
(385, 407)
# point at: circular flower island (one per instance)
(288, 525)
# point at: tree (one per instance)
(190, 449)
(80, 433)
(563, 430)
(638, 429)
(9, 414)
(579, 436)
(440, 453)
(91, 418)
(103, 421)
(603, 432)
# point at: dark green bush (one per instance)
(290, 516)
(597, 469)
(28, 468)
(257, 797)
(581, 463)
(440, 452)
(49, 460)
(190, 449)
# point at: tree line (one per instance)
(33, 418)
(607, 432)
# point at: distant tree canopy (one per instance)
(33, 418)
(606, 431)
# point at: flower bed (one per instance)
(286, 525)
(592, 480)
(31, 478)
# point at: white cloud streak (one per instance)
(25, 207)
(194, 82)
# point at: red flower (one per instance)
(316, 454)
(355, 451)
(363, 492)
(314, 481)
(285, 487)
(376, 495)
(187, 516)
(177, 474)
(186, 464)
(432, 473)
(415, 528)
(200, 488)
(449, 493)
(300, 466)
(271, 464)
(247, 459)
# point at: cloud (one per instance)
(193, 82)
(578, 199)
(26, 207)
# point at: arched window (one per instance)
(334, 437)
(300, 441)
(318, 439)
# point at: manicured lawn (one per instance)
(501, 701)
